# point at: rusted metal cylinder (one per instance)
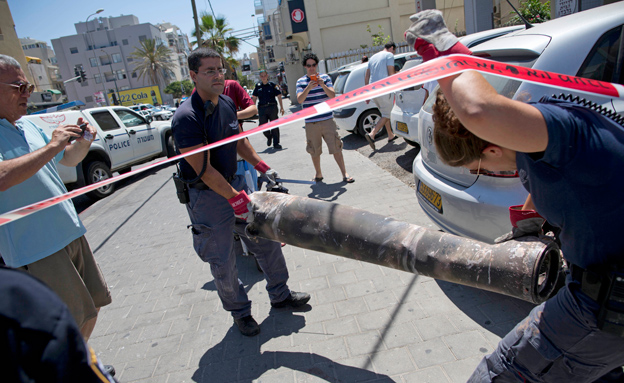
(527, 269)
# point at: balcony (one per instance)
(259, 7)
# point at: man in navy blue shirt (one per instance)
(556, 147)
(218, 204)
(266, 91)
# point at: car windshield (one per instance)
(341, 80)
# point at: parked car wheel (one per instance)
(96, 172)
(171, 147)
(367, 122)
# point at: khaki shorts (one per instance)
(75, 277)
(325, 130)
(384, 104)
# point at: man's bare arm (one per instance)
(17, 170)
(492, 117)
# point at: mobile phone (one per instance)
(314, 78)
(82, 127)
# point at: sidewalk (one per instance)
(367, 323)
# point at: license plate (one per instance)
(432, 197)
(402, 127)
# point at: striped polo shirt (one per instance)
(316, 96)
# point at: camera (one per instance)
(82, 127)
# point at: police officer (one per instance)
(217, 201)
(265, 91)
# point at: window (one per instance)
(98, 79)
(120, 74)
(142, 38)
(93, 62)
(601, 63)
(116, 57)
(129, 59)
(266, 29)
(104, 60)
(130, 119)
(89, 98)
(124, 41)
(134, 75)
(73, 50)
(105, 120)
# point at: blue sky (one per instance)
(49, 19)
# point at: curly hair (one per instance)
(308, 56)
(455, 144)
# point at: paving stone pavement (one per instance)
(367, 323)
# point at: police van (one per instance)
(124, 138)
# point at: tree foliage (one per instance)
(379, 38)
(154, 61)
(534, 11)
(175, 88)
(213, 34)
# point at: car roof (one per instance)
(568, 39)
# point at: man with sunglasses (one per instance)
(312, 89)
(217, 202)
(50, 244)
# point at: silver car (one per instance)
(587, 44)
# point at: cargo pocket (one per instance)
(534, 353)
(203, 241)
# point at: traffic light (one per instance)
(83, 75)
(77, 74)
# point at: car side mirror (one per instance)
(149, 119)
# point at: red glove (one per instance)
(524, 223)
(262, 167)
(242, 206)
(429, 52)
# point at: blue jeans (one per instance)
(212, 224)
(557, 342)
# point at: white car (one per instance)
(161, 114)
(586, 44)
(361, 118)
(407, 102)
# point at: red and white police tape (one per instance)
(429, 71)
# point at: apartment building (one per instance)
(42, 60)
(102, 48)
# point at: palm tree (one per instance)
(154, 61)
(213, 31)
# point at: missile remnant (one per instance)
(527, 269)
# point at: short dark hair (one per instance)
(456, 145)
(308, 56)
(194, 59)
(390, 45)
(364, 58)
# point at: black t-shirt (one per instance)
(266, 93)
(188, 130)
(577, 183)
(39, 339)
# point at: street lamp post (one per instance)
(92, 45)
(110, 62)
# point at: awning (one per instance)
(68, 105)
(53, 91)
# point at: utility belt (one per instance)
(182, 187)
(607, 289)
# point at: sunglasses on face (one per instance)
(310, 66)
(22, 87)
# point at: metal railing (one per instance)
(338, 59)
